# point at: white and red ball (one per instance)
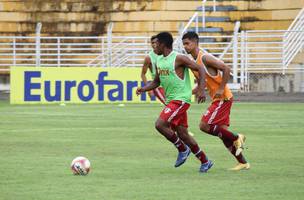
(80, 166)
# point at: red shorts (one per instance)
(160, 94)
(176, 113)
(218, 113)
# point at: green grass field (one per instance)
(130, 160)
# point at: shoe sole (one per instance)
(244, 168)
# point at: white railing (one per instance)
(129, 51)
(38, 41)
(204, 11)
(260, 52)
(263, 51)
(235, 52)
(294, 39)
(110, 55)
(92, 51)
(178, 44)
(194, 17)
(121, 51)
(52, 51)
(246, 52)
(73, 51)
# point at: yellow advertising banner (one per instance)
(75, 85)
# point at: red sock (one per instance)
(199, 153)
(222, 133)
(178, 143)
(240, 158)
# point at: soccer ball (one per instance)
(80, 166)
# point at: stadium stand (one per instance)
(78, 17)
(142, 19)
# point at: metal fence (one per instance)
(73, 51)
(272, 60)
(248, 52)
(293, 39)
(270, 82)
(252, 55)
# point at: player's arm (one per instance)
(145, 68)
(150, 86)
(186, 62)
(213, 62)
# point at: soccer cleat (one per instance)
(239, 144)
(206, 166)
(240, 166)
(182, 157)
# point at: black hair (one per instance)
(191, 36)
(165, 38)
(153, 37)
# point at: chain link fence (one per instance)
(290, 82)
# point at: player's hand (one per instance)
(219, 93)
(201, 96)
(151, 94)
(139, 90)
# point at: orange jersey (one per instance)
(213, 82)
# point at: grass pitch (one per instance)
(130, 160)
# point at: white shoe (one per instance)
(240, 166)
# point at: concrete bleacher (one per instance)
(142, 18)
(58, 17)
(261, 14)
(78, 17)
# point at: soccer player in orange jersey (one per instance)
(216, 120)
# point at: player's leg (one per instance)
(222, 118)
(205, 120)
(190, 142)
(218, 113)
(205, 127)
(183, 150)
(195, 149)
(164, 128)
(227, 142)
(163, 125)
(217, 131)
(180, 122)
(242, 162)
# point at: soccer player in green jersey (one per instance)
(150, 64)
(173, 75)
